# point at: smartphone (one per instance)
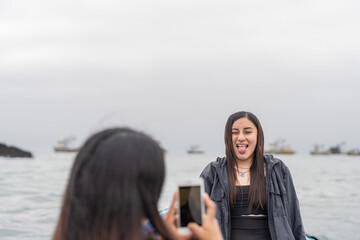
(190, 203)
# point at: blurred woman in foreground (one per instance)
(114, 186)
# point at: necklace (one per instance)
(242, 174)
(244, 167)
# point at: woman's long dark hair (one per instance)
(257, 177)
(115, 183)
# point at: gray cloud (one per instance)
(177, 69)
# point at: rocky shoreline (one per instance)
(13, 152)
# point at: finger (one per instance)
(195, 228)
(172, 209)
(175, 218)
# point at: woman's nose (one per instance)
(241, 137)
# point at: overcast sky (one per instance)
(178, 69)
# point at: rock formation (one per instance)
(10, 151)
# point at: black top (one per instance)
(279, 186)
(242, 203)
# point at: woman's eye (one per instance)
(247, 132)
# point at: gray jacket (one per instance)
(282, 204)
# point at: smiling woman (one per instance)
(254, 193)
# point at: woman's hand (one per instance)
(170, 221)
(210, 229)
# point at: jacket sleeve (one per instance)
(293, 208)
(207, 175)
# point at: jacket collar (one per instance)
(270, 161)
(220, 168)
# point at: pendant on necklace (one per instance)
(242, 174)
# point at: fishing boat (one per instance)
(194, 149)
(64, 145)
(353, 152)
(332, 150)
(318, 150)
(279, 147)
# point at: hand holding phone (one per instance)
(210, 230)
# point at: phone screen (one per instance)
(190, 205)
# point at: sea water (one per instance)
(328, 189)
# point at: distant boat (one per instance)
(353, 152)
(281, 151)
(63, 145)
(278, 147)
(317, 150)
(194, 149)
(332, 150)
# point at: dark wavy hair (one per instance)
(115, 183)
(257, 196)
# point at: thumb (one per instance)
(195, 229)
